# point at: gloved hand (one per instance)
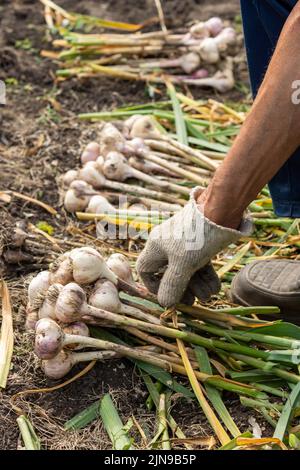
(182, 248)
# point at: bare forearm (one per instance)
(267, 139)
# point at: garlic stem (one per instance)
(180, 171)
(116, 168)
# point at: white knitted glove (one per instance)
(182, 248)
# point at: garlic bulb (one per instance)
(48, 338)
(38, 286)
(111, 139)
(214, 25)
(47, 309)
(61, 364)
(190, 62)
(145, 128)
(99, 205)
(115, 167)
(226, 38)
(105, 296)
(89, 265)
(200, 30)
(62, 270)
(78, 196)
(69, 177)
(209, 51)
(79, 329)
(120, 265)
(91, 174)
(90, 153)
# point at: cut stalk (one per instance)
(113, 425)
(209, 413)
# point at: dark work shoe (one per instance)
(270, 282)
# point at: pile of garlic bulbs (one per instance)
(79, 289)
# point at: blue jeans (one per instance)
(263, 21)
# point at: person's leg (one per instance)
(263, 21)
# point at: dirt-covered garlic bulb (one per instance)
(47, 309)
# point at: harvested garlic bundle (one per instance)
(90, 153)
(78, 196)
(38, 286)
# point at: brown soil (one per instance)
(37, 143)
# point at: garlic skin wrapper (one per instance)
(62, 270)
(38, 286)
(90, 153)
(79, 329)
(120, 265)
(99, 205)
(49, 338)
(31, 317)
(89, 265)
(47, 309)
